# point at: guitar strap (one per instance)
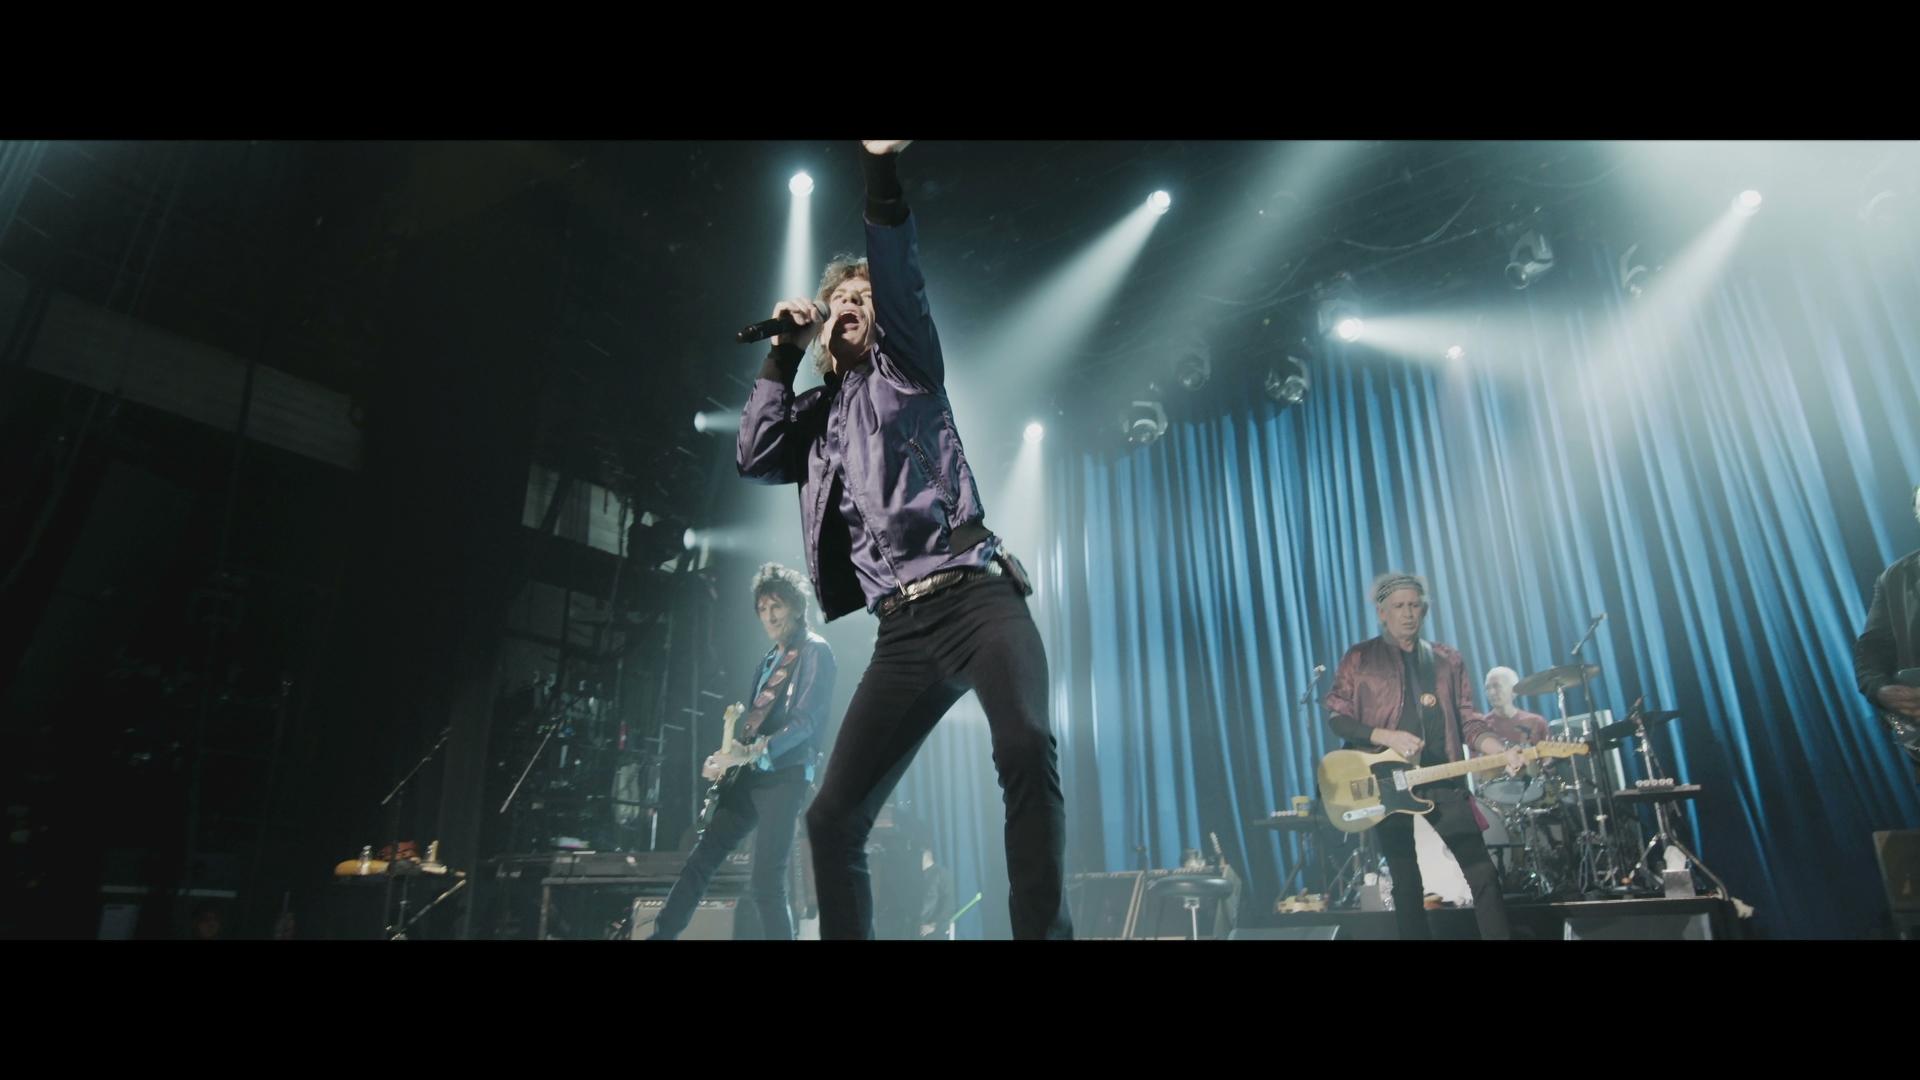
(1429, 701)
(764, 699)
(1433, 713)
(768, 696)
(1428, 679)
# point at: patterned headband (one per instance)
(1398, 581)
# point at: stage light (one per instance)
(1286, 380)
(707, 423)
(1192, 361)
(1337, 308)
(1143, 421)
(1530, 259)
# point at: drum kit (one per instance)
(1566, 829)
(1545, 831)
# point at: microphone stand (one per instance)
(555, 722)
(398, 927)
(1312, 849)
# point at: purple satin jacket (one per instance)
(881, 438)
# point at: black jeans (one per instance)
(977, 636)
(1452, 818)
(771, 801)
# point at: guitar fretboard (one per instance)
(1490, 764)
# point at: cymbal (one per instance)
(356, 868)
(1622, 729)
(1555, 678)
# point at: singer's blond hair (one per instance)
(842, 269)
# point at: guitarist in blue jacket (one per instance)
(763, 776)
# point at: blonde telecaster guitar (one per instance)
(1361, 790)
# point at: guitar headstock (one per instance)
(1560, 749)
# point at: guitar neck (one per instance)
(1461, 768)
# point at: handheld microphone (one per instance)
(761, 331)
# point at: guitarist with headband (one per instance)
(1411, 696)
(1886, 658)
(762, 774)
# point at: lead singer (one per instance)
(892, 522)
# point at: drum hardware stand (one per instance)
(1588, 875)
(1664, 837)
(1520, 824)
(1603, 877)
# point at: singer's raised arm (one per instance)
(909, 346)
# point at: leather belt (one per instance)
(934, 583)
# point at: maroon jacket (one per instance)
(1368, 690)
(1524, 725)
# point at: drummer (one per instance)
(1519, 729)
(1540, 787)
(1515, 726)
